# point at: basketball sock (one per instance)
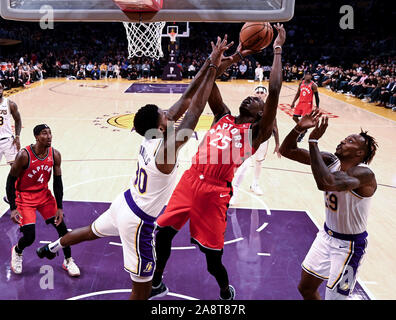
(67, 252)
(17, 250)
(55, 246)
(163, 246)
(257, 172)
(29, 234)
(217, 269)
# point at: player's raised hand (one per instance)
(281, 38)
(246, 52)
(320, 129)
(218, 50)
(309, 120)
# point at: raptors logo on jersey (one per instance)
(224, 148)
(38, 172)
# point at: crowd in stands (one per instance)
(359, 63)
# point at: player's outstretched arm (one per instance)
(296, 96)
(275, 132)
(180, 107)
(289, 148)
(172, 143)
(58, 186)
(316, 93)
(20, 163)
(354, 178)
(18, 123)
(216, 103)
(266, 123)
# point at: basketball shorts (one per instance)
(302, 109)
(8, 149)
(335, 261)
(28, 202)
(136, 231)
(204, 201)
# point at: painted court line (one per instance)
(262, 227)
(180, 248)
(98, 293)
(264, 254)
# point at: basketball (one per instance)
(256, 35)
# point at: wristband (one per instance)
(213, 66)
(277, 47)
(313, 141)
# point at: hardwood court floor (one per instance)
(91, 122)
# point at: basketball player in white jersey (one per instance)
(9, 144)
(257, 158)
(348, 184)
(133, 213)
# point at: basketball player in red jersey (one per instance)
(203, 193)
(306, 90)
(27, 191)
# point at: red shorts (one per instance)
(204, 201)
(302, 109)
(28, 202)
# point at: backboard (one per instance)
(173, 10)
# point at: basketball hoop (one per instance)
(144, 39)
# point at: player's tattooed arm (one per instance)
(174, 141)
(353, 178)
(289, 148)
(180, 107)
(18, 123)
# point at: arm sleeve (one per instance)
(10, 189)
(58, 191)
(317, 98)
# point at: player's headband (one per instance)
(37, 129)
(261, 89)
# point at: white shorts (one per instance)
(136, 233)
(261, 152)
(8, 149)
(336, 261)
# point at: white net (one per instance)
(144, 39)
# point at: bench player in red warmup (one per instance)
(306, 90)
(27, 191)
(204, 191)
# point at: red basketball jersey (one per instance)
(224, 148)
(306, 93)
(37, 174)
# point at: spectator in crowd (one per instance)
(259, 73)
(242, 70)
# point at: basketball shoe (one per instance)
(16, 261)
(232, 293)
(158, 292)
(70, 266)
(44, 252)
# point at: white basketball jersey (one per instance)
(151, 189)
(346, 211)
(5, 119)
